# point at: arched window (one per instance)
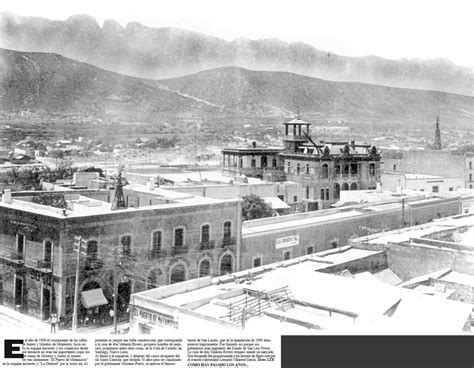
(345, 170)
(337, 191)
(156, 240)
(253, 163)
(48, 250)
(372, 169)
(307, 168)
(205, 230)
(327, 194)
(307, 192)
(322, 194)
(126, 242)
(354, 169)
(470, 165)
(178, 274)
(226, 264)
(394, 167)
(337, 170)
(274, 163)
(179, 237)
(354, 186)
(345, 186)
(297, 168)
(325, 171)
(204, 268)
(155, 279)
(91, 249)
(264, 161)
(470, 177)
(227, 229)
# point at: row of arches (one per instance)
(179, 272)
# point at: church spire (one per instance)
(437, 141)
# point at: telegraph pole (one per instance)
(77, 243)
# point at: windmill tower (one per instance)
(119, 200)
(437, 141)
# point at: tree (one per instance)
(254, 207)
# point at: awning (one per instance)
(93, 298)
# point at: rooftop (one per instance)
(322, 301)
(462, 227)
(81, 206)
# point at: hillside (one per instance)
(260, 93)
(52, 84)
(146, 52)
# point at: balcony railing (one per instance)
(207, 244)
(17, 257)
(43, 265)
(91, 263)
(177, 251)
(228, 241)
(156, 254)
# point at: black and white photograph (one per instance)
(185, 182)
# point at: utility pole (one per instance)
(115, 298)
(77, 243)
(51, 298)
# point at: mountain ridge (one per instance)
(157, 53)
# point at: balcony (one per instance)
(17, 257)
(228, 241)
(156, 254)
(204, 245)
(92, 264)
(44, 265)
(177, 251)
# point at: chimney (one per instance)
(7, 196)
(379, 187)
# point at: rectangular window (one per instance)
(451, 189)
(286, 256)
(309, 250)
(126, 245)
(18, 291)
(156, 243)
(205, 233)
(295, 198)
(179, 237)
(20, 244)
(322, 194)
(257, 262)
(435, 189)
(327, 194)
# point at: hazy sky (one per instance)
(389, 28)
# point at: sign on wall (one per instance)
(287, 241)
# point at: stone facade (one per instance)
(148, 246)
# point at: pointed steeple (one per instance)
(119, 201)
(437, 141)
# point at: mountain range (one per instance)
(49, 84)
(157, 53)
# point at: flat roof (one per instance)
(80, 206)
(353, 302)
(419, 231)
